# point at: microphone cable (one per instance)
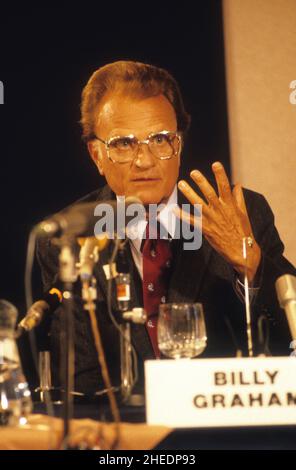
(31, 245)
(263, 335)
(117, 245)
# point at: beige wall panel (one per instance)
(260, 50)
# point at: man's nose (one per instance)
(145, 158)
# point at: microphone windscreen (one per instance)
(286, 289)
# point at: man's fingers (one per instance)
(222, 182)
(238, 195)
(241, 204)
(189, 218)
(191, 195)
(207, 190)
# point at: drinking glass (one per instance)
(181, 330)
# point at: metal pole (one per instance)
(67, 276)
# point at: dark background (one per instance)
(46, 57)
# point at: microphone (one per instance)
(286, 293)
(38, 310)
(81, 219)
(89, 254)
(122, 280)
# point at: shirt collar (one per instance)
(166, 217)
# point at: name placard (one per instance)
(221, 392)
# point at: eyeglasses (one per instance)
(163, 145)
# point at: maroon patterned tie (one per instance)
(156, 274)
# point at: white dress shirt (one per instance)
(166, 217)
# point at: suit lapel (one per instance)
(189, 268)
(106, 194)
(140, 336)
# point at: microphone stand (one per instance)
(89, 255)
(128, 316)
(126, 361)
(248, 241)
(136, 315)
(68, 276)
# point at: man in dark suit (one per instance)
(134, 123)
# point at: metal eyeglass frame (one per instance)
(108, 142)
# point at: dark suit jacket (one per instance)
(197, 276)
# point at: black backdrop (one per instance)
(47, 55)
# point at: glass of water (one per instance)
(181, 330)
(15, 396)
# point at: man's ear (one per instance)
(96, 155)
